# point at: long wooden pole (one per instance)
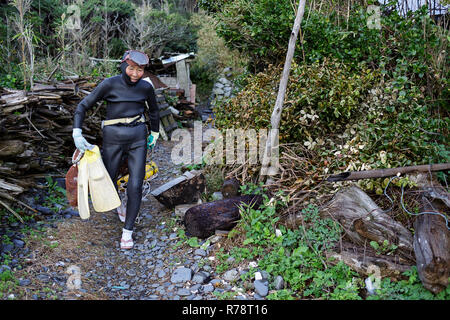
(276, 114)
(382, 173)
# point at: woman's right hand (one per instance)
(80, 141)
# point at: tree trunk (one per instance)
(363, 221)
(432, 237)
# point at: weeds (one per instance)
(298, 255)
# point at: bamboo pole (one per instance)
(382, 173)
(276, 114)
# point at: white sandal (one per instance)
(126, 244)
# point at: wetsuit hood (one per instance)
(126, 78)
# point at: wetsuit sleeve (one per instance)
(153, 112)
(96, 95)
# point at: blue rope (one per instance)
(406, 210)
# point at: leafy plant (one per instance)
(384, 248)
(56, 196)
(409, 289)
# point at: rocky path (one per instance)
(75, 259)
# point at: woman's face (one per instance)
(134, 71)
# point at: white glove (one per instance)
(151, 140)
(80, 141)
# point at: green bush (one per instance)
(412, 47)
(318, 98)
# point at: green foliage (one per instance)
(348, 117)
(259, 29)
(56, 196)
(10, 81)
(409, 289)
(296, 255)
(211, 6)
(318, 98)
(383, 248)
(7, 283)
(212, 56)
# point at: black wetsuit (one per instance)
(125, 99)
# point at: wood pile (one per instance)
(36, 131)
(186, 109)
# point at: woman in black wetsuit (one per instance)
(124, 130)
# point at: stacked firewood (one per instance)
(36, 131)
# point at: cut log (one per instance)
(11, 148)
(182, 190)
(10, 187)
(363, 221)
(230, 188)
(432, 237)
(367, 262)
(203, 220)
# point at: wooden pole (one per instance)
(276, 114)
(382, 173)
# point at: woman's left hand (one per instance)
(151, 140)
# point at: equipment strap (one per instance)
(138, 118)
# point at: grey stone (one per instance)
(181, 275)
(200, 252)
(217, 196)
(224, 80)
(279, 283)
(195, 287)
(7, 247)
(218, 92)
(265, 275)
(214, 281)
(261, 288)
(231, 275)
(161, 274)
(200, 277)
(24, 282)
(208, 288)
(183, 292)
(231, 259)
(43, 277)
(131, 272)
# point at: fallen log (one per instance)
(382, 173)
(182, 190)
(203, 220)
(432, 236)
(366, 262)
(363, 221)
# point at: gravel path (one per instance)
(75, 259)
